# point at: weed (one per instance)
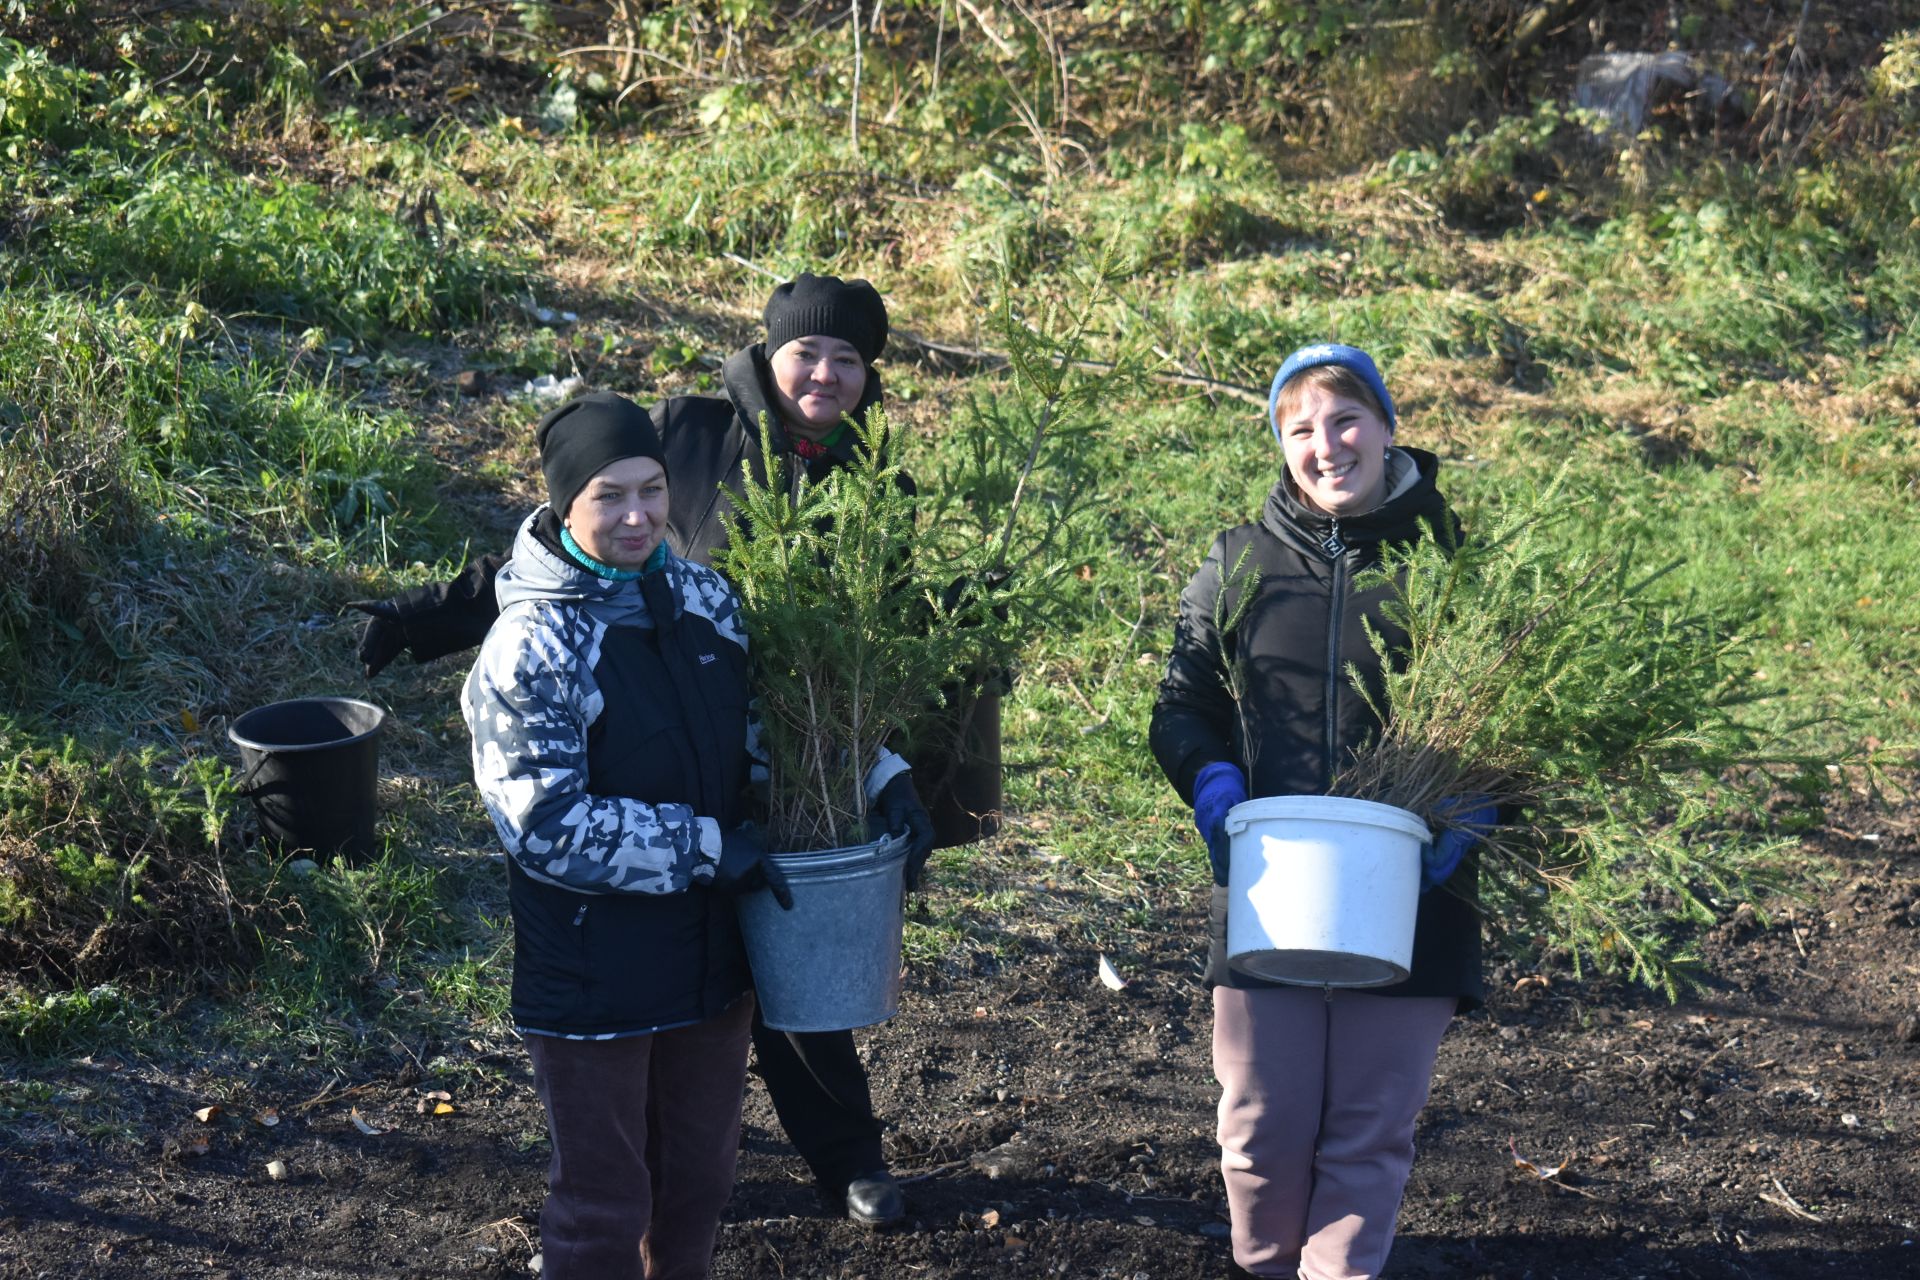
(68, 1022)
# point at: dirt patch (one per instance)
(1050, 1127)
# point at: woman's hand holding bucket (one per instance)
(744, 866)
(1217, 788)
(1440, 858)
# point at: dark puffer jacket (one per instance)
(1295, 640)
(710, 443)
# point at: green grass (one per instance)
(224, 413)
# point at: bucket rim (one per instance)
(1318, 808)
(1263, 962)
(881, 851)
(240, 739)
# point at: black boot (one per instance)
(874, 1199)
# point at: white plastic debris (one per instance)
(547, 389)
(1624, 86)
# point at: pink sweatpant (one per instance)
(1318, 1095)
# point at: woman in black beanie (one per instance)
(614, 748)
(811, 375)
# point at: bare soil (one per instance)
(1048, 1126)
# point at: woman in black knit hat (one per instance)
(811, 375)
(614, 748)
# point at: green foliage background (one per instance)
(245, 249)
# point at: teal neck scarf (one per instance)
(587, 562)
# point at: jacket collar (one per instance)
(748, 380)
(540, 569)
(1412, 498)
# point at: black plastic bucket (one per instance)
(962, 791)
(310, 766)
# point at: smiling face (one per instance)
(1336, 449)
(621, 515)
(816, 381)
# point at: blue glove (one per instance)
(1216, 789)
(1475, 816)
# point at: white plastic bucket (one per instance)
(1323, 890)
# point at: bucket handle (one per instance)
(245, 785)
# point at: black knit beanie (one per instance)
(585, 436)
(828, 307)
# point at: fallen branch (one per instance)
(921, 1175)
(1179, 377)
(410, 33)
(1787, 1202)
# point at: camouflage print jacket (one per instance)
(613, 740)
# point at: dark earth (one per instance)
(1766, 1128)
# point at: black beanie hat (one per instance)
(829, 307)
(585, 436)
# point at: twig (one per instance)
(626, 50)
(921, 1175)
(859, 64)
(410, 33)
(1181, 378)
(327, 1094)
(1786, 1201)
(200, 56)
(753, 266)
(998, 41)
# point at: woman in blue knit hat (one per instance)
(1319, 1087)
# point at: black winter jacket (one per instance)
(709, 443)
(1295, 640)
(611, 723)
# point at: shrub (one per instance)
(1605, 719)
(281, 249)
(112, 865)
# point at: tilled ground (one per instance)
(1049, 1126)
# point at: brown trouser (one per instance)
(1318, 1095)
(646, 1130)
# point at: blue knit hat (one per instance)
(1352, 359)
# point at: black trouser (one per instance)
(819, 1091)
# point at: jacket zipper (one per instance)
(580, 941)
(1336, 550)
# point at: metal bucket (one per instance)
(833, 962)
(1323, 890)
(311, 767)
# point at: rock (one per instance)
(1011, 1159)
(470, 382)
(1907, 1030)
(277, 1170)
(302, 867)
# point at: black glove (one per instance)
(898, 809)
(964, 589)
(745, 866)
(431, 621)
(384, 637)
